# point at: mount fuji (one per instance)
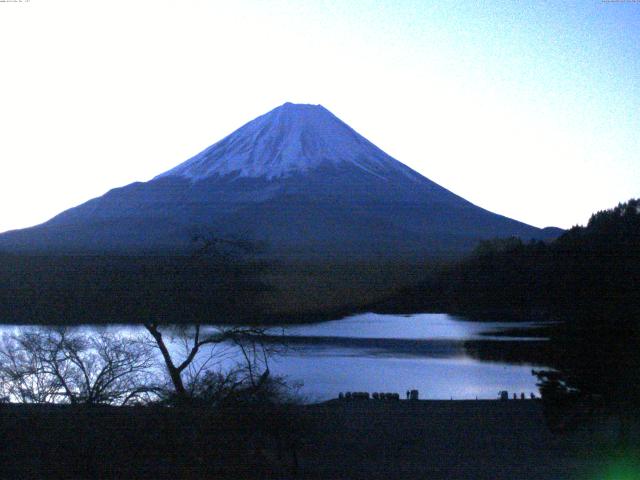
(297, 179)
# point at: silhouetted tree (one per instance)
(595, 365)
(207, 363)
(589, 278)
(55, 365)
(190, 353)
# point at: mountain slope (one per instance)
(296, 178)
(288, 140)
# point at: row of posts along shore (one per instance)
(414, 395)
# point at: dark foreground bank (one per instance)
(338, 439)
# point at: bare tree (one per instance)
(44, 365)
(213, 362)
(208, 361)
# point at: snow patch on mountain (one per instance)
(291, 139)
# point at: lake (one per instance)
(396, 353)
(443, 356)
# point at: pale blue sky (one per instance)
(529, 109)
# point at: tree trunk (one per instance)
(174, 372)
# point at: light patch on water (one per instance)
(423, 352)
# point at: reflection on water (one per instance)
(441, 355)
(436, 378)
(431, 326)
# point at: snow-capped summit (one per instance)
(290, 139)
(297, 179)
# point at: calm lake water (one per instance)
(395, 353)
